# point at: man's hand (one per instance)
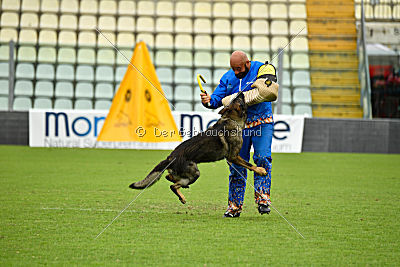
(205, 98)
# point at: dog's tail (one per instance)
(152, 177)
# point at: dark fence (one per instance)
(14, 128)
(352, 135)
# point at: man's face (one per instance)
(240, 70)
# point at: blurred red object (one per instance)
(380, 70)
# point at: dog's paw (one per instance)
(261, 171)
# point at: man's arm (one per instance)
(215, 98)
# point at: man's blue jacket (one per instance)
(229, 84)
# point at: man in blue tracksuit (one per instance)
(258, 132)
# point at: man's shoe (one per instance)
(263, 208)
(228, 214)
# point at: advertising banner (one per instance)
(80, 128)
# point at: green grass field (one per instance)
(55, 201)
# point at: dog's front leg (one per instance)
(241, 162)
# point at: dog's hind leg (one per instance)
(182, 180)
(175, 188)
(170, 178)
(191, 173)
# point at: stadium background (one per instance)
(55, 201)
(60, 61)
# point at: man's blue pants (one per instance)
(260, 137)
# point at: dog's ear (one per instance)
(222, 111)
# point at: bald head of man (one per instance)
(240, 64)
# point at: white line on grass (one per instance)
(99, 210)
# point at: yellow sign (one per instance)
(266, 69)
(139, 112)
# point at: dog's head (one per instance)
(237, 109)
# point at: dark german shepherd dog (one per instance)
(222, 140)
